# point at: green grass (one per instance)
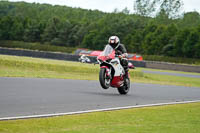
(173, 80)
(13, 66)
(179, 60)
(182, 118)
(36, 46)
(170, 71)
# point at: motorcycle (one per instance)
(84, 59)
(112, 74)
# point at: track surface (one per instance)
(29, 96)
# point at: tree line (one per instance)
(76, 27)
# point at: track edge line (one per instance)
(95, 110)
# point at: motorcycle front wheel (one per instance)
(125, 88)
(103, 79)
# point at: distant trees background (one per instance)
(163, 34)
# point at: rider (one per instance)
(120, 50)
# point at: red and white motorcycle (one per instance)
(112, 73)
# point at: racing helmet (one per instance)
(114, 41)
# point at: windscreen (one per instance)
(107, 51)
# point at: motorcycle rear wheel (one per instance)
(125, 88)
(103, 79)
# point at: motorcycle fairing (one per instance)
(108, 53)
(117, 80)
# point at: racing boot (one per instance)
(126, 74)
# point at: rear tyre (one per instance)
(125, 88)
(103, 79)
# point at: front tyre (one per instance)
(125, 88)
(103, 79)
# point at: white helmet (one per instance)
(114, 41)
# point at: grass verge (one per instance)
(170, 71)
(36, 46)
(13, 66)
(179, 60)
(182, 118)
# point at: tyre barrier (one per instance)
(39, 54)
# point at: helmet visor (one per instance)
(112, 41)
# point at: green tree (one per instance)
(162, 18)
(6, 24)
(33, 31)
(197, 45)
(152, 7)
(125, 11)
(145, 7)
(51, 31)
(189, 45)
(189, 20)
(170, 36)
(18, 29)
(171, 7)
(197, 50)
(181, 37)
(65, 33)
(88, 41)
(154, 29)
(133, 42)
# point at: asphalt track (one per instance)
(32, 96)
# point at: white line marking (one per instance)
(96, 110)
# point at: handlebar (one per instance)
(120, 56)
